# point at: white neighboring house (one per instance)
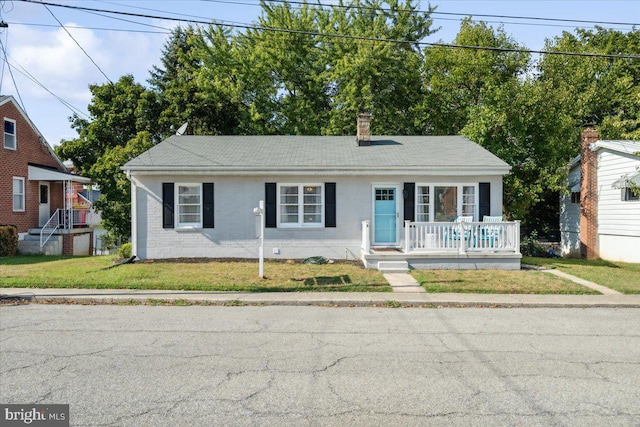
(600, 217)
(380, 199)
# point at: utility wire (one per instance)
(20, 69)
(344, 36)
(242, 3)
(166, 31)
(484, 15)
(76, 42)
(4, 53)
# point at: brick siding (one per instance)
(588, 196)
(14, 163)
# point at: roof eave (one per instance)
(347, 171)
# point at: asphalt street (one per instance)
(284, 365)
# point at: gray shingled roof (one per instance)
(301, 152)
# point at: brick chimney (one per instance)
(363, 135)
(588, 195)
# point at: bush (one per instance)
(125, 251)
(530, 246)
(8, 240)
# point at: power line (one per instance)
(166, 31)
(299, 3)
(20, 69)
(76, 42)
(435, 12)
(4, 53)
(343, 36)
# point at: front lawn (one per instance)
(496, 282)
(193, 275)
(623, 277)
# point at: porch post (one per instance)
(407, 236)
(517, 236)
(366, 239)
(463, 234)
(70, 203)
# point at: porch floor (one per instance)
(445, 260)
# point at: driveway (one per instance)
(143, 365)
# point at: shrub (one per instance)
(8, 240)
(530, 246)
(125, 251)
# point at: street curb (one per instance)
(388, 303)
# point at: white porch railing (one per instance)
(462, 237)
(65, 219)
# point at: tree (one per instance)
(183, 95)
(597, 91)
(380, 77)
(123, 124)
(456, 81)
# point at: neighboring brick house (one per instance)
(33, 183)
(600, 217)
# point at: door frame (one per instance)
(399, 206)
(41, 219)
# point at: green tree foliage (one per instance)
(183, 95)
(379, 77)
(303, 81)
(122, 126)
(599, 91)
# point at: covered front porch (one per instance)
(445, 245)
(64, 225)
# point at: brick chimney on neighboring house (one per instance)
(588, 195)
(363, 135)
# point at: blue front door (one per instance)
(385, 212)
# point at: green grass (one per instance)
(496, 282)
(623, 277)
(200, 275)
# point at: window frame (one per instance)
(574, 197)
(459, 198)
(14, 194)
(300, 223)
(14, 135)
(187, 225)
(628, 195)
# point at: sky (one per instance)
(42, 55)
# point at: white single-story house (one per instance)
(600, 215)
(384, 199)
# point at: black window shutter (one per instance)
(207, 205)
(484, 199)
(270, 205)
(409, 194)
(167, 205)
(329, 204)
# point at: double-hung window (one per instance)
(10, 134)
(423, 203)
(18, 194)
(189, 204)
(444, 203)
(300, 205)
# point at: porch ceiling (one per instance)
(43, 174)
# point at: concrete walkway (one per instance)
(602, 289)
(403, 282)
(343, 299)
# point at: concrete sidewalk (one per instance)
(344, 299)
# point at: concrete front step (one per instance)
(393, 266)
